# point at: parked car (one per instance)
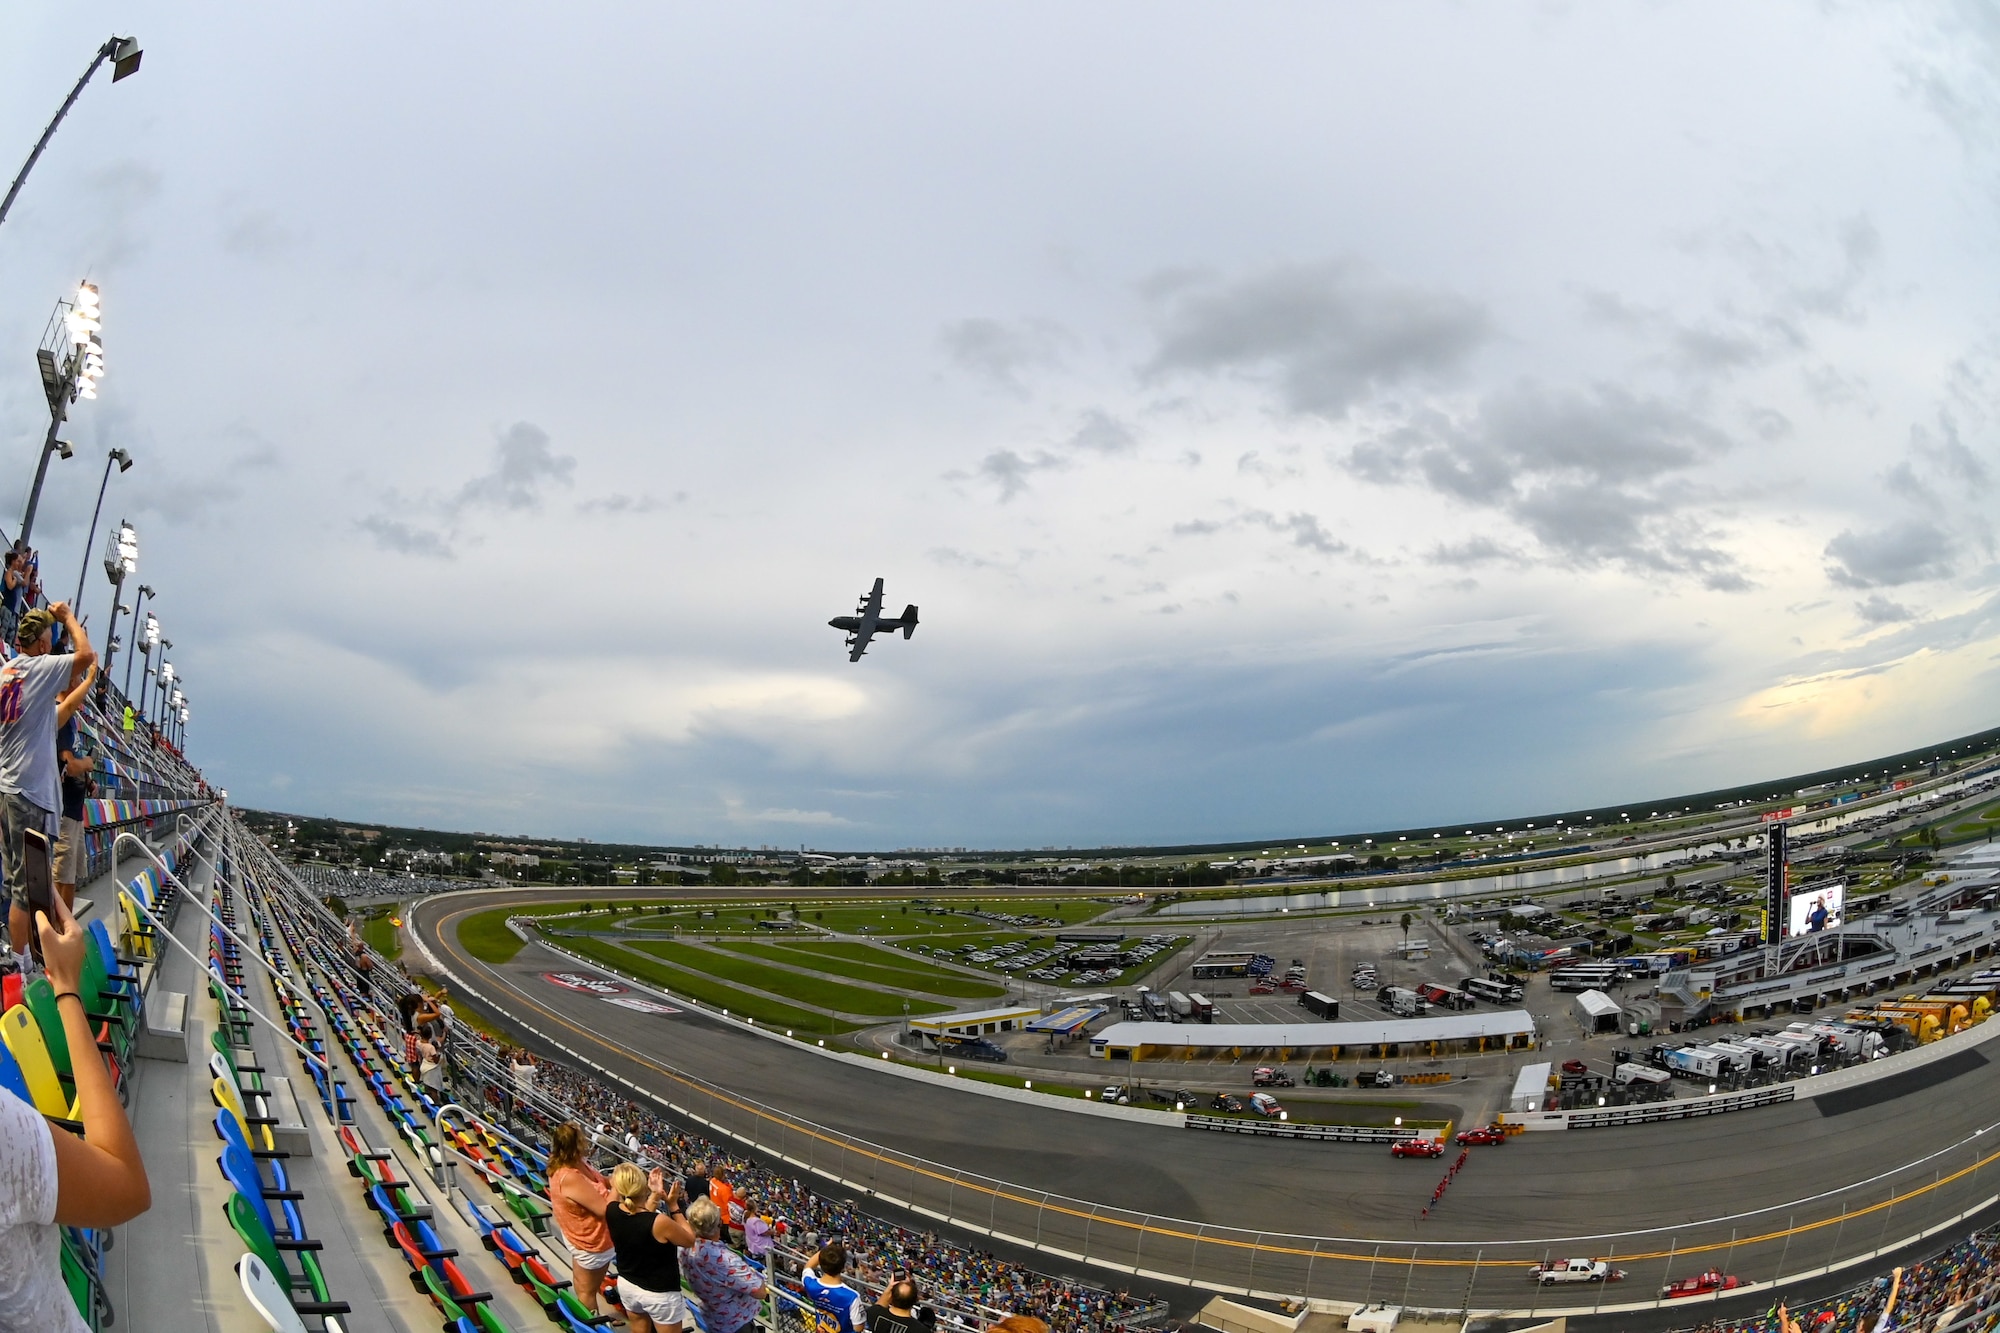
(1266, 1077)
(1264, 1104)
(1486, 1134)
(1224, 1102)
(1416, 1148)
(1575, 1067)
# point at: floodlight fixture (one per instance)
(125, 57)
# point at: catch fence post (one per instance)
(1779, 1276)
(1673, 1248)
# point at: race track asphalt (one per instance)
(1334, 1219)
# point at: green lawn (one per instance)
(864, 962)
(708, 990)
(804, 988)
(485, 936)
(381, 936)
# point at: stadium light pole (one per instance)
(149, 636)
(71, 358)
(162, 678)
(124, 463)
(124, 55)
(121, 561)
(138, 642)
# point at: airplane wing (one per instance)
(858, 644)
(872, 604)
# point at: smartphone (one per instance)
(38, 883)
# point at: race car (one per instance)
(1416, 1148)
(1485, 1134)
(1700, 1284)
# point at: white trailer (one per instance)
(1691, 1062)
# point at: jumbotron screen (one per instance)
(1817, 909)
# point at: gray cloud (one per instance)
(1473, 551)
(1596, 477)
(1325, 336)
(523, 467)
(627, 504)
(1010, 471)
(1907, 551)
(1301, 529)
(1100, 432)
(999, 352)
(1879, 610)
(404, 538)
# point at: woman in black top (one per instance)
(646, 1224)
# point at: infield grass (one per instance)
(863, 962)
(699, 986)
(807, 989)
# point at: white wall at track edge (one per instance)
(1533, 1310)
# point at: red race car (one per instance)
(1416, 1148)
(1486, 1135)
(1701, 1283)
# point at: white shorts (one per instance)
(595, 1260)
(662, 1307)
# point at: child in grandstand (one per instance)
(839, 1307)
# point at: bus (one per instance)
(1493, 992)
(1584, 976)
(1214, 966)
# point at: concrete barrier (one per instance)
(1286, 1130)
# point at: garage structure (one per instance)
(1458, 1034)
(1598, 1012)
(975, 1022)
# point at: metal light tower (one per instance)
(124, 462)
(124, 53)
(166, 683)
(71, 358)
(149, 638)
(121, 561)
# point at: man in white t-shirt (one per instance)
(30, 788)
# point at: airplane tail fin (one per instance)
(909, 620)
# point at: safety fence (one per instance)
(1288, 1130)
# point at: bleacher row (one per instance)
(512, 1172)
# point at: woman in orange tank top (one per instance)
(577, 1197)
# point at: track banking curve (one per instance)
(1784, 1190)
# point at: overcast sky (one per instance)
(1289, 418)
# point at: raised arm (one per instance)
(100, 1178)
(67, 705)
(86, 656)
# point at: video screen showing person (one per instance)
(1817, 909)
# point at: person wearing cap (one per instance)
(30, 791)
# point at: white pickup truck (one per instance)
(1576, 1270)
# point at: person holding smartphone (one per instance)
(56, 1178)
(30, 792)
